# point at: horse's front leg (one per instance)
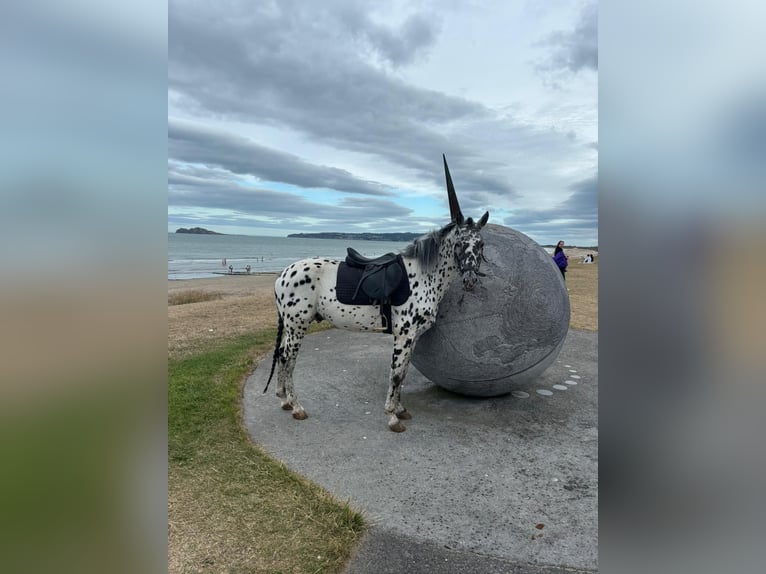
(399, 364)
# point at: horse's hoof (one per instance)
(397, 427)
(287, 407)
(300, 415)
(405, 415)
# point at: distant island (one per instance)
(591, 248)
(362, 236)
(197, 231)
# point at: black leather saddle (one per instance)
(373, 281)
(356, 259)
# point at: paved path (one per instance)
(467, 486)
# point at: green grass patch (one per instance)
(231, 507)
(192, 296)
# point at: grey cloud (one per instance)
(576, 49)
(579, 210)
(188, 175)
(194, 144)
(299, 67)
(583, 203)
(285, 208)
(398, 46)
(324, 71)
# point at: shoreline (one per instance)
(575, 254)
(223, 274)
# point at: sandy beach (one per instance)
(245, 303)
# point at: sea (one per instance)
(192, 256)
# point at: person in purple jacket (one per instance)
(561, 259)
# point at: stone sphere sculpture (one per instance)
(506, 331)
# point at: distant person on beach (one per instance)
(588, 258)
(561, 259)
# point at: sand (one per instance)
(246, 305)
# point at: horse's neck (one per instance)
(444, 270)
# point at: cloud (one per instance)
(574, 219)
(192, 143)
(362, 99)
(299, 66)
(202, 190)
(394, 45)
(576, 49)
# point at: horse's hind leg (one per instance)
(285, 385)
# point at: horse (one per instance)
(307, 291)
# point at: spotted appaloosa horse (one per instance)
(305, 292)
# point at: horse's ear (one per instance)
(483, 220)
(454, 207)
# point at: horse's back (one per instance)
(306, 275)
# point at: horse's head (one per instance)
(469, 247)
(469, 251)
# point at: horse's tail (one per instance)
(280, 330)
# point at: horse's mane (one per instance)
(425, 249)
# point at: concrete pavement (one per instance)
(482, 485)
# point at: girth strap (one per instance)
(385, 314)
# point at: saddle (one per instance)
(356, 259)
(373, 281)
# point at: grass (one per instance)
(192, 296)
(230, 506)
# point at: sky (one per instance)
(291, 116)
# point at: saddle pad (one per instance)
(348, 279)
